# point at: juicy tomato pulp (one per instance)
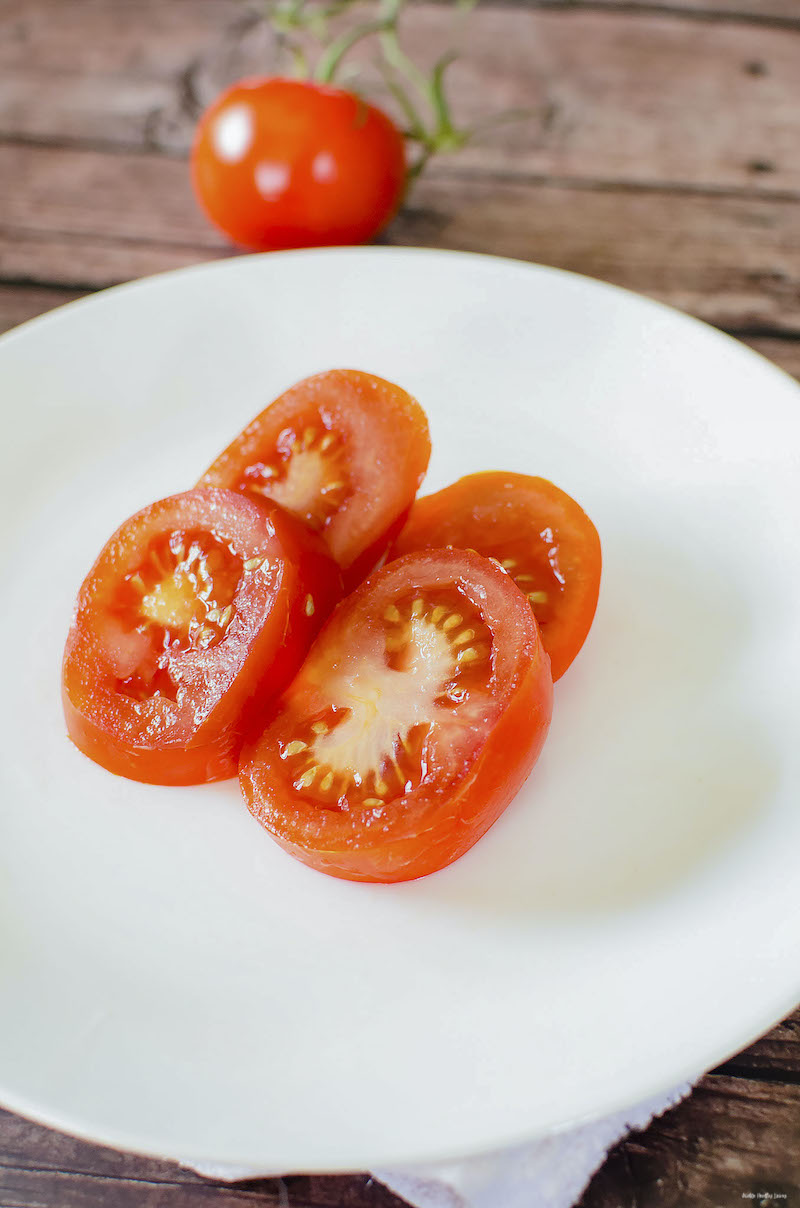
(419, 712)
(287, 163)
(540, 535)
(344, 452)
(198, 609)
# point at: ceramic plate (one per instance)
(171, 981)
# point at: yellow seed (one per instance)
(326, 782)
(327, 441)
(309, 606)
(307, 779)
(137, 581)
(537, 597)
(206, 636)
(524, 578)
(507, 563)
(438, 613)
(469, 655)
(392, 613)
(308, 437)
(417, 607)
(213, 614)
(295, 747)
(225, 616)
(466, 635)
(372, 801)
(319, 727)
(253, 563)
(381, 786)
(395, 643)
(454, 619)
(332, 486)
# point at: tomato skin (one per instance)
(281, 163)
(385, 448)
(219, 692)
(427, 828)
(497, 513)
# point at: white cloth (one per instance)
(552, 1172)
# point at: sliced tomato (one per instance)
(537, 532)
(417, 715)
(198, 610)
(343, 451)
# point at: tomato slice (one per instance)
(417, 715)
(198, 609)
(343, 451)
(537, 532)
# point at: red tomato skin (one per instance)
(281, 163)
(457, 515)
(208, 751)
(388, 437)
(453, 824)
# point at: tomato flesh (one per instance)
(540, 536)
(343, 451)
(280, 163)
(198, 610)
(417, 715)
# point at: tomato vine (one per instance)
(304, 29)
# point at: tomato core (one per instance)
(308, 474)
(367, 746)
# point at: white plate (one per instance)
(170, 980)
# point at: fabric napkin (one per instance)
(551, 1172)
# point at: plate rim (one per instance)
(759, 1021)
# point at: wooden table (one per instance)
(662, 152)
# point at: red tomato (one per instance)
(538, 533)
(287, 163)
(198, 609)
(417, 715)
(345, 452)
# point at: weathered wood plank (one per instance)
(752, 10)
(785, 353)
(731, 1141)
(733, 262)
(148, 39)
(41, 1167)
(87, 219)
(20, 1188)
(615, 96)
(19, 303)
(779, 1051)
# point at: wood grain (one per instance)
(40, 1167)
(777, 1055)
(732, 1139)
(732, 261)
(754, 11)
(19, 303)
(616, 96)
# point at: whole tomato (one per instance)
(281, 163)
